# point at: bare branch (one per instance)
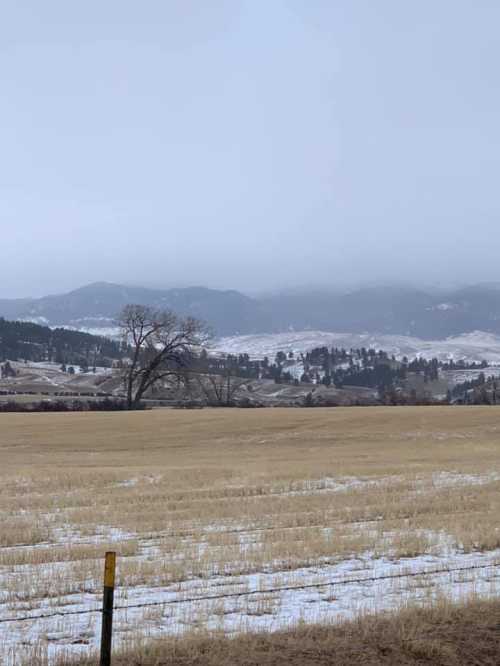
(162, 344)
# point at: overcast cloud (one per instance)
(248, 144)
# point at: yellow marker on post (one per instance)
(107, 608)
(109, 570)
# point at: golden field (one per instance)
(189, 497)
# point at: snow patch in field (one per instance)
(128, 483)
(328, 590)
(342, 591)
(451, 479)
(339, 484)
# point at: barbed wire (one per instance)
(246, 593)
(203, 531)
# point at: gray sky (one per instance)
(249, 144)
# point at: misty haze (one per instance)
(250, 146)
(249, 333)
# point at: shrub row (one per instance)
(106, 405)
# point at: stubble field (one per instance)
(235, 520)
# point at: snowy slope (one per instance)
(476, 346)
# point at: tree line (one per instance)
(167, 348)
(159, 348)
(332, 367)
(35, 343)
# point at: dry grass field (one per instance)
(443, 635)
(216, 502)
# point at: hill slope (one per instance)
(29, 341)
(97, 304)
(385, 310)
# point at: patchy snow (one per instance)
(341, 590)
(42, 321)
(454, 377)
(112, 332)
(477, 346)
(452, 479)
(336, 484)
(56, 367)
(330, 589)
(128, 483)
(348, 483)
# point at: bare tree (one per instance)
(220, 389)
(162, 346)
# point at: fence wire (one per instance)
(287, 588)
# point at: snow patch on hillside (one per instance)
(476, 346)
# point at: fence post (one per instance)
(107, 608)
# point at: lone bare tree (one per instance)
(162, 345)
(220, 389)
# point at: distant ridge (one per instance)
(97, 304)
(384, 310)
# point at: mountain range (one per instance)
(387, 310)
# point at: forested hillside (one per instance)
(32, 342)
